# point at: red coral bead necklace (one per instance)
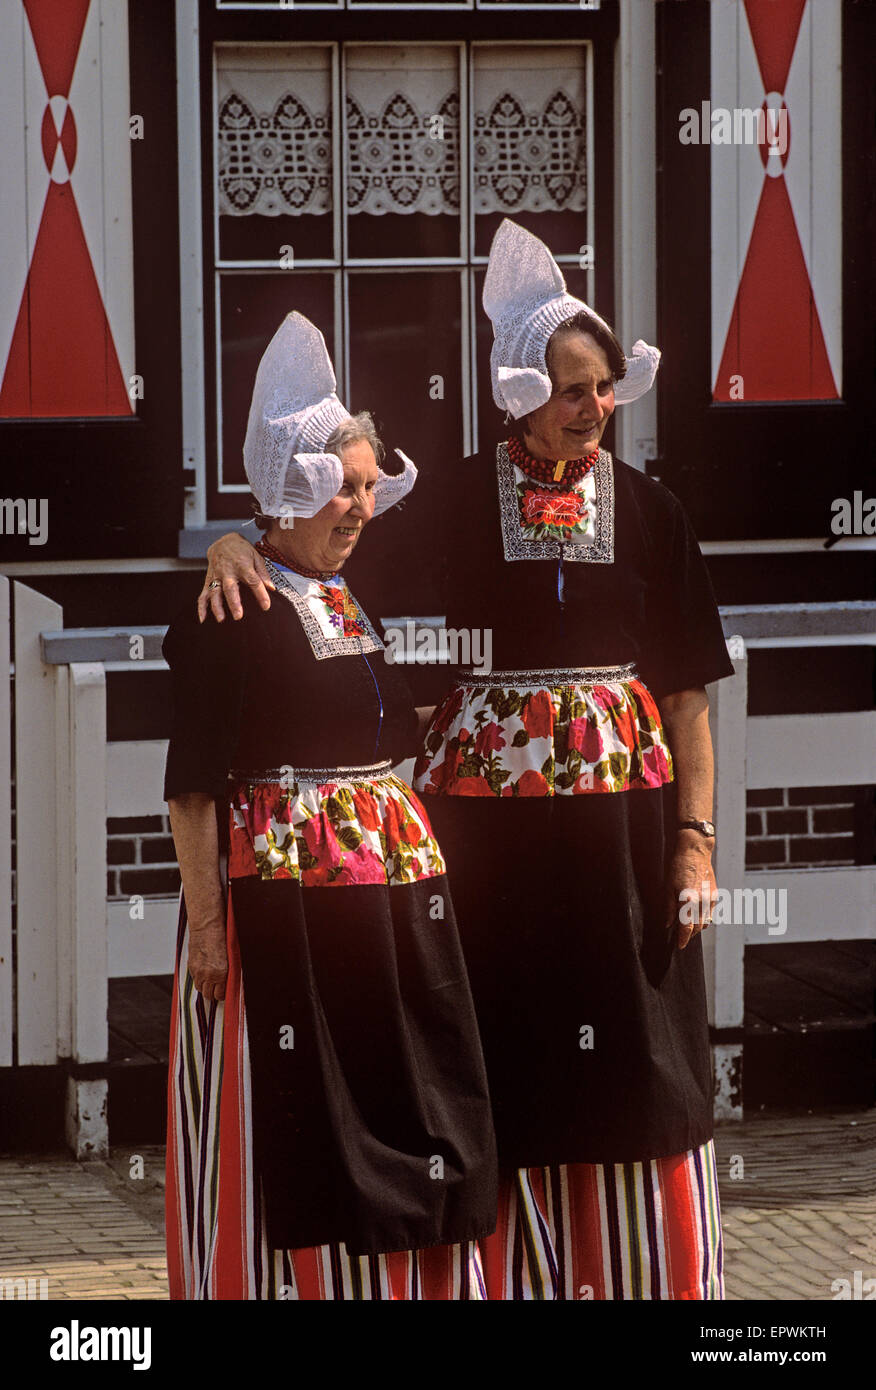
(550, 471)
(271, 552)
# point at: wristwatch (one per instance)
(705, 827)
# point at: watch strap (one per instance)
(705, 827)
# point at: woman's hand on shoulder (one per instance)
(232, 561)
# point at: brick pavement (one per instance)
(798, 1197)
(800, 1211)
(89, 1229)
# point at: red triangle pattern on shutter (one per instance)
(62, 359)
(775, 340)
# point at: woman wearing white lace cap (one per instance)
(329, 1127)
(574, 810)
(594, 803)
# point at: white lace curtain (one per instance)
(401, 130)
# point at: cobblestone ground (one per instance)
(800, 1215)
(89, 1229)
(798, 1197)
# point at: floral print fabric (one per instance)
(557, 514)
(332, 605)
(562, 740)
(331, 834)
(342, 609)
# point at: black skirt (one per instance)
(593, 1023)
(371, 1115)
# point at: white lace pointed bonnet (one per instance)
(525, 296)
(294, 410)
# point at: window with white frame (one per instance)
(361, 184)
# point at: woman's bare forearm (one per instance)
(193, 822)
(686, 720)
(691, 879)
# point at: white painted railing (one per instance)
(823, 750)
(60, 987)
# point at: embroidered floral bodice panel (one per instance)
(544, 522)
(332, 619)
(549, 513)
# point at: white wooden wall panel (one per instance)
(735, 180)
(724, 950)
(812, 750)
(814, 175)
(636, 214)
(135, 778)
(101, 177)
(36, 830)
(14, 238)
(822, 904)
(144, 947)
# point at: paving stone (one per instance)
(804, 1215)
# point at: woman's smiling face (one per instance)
(572, 422)
(323, 542)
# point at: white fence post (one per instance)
(6, 995)
(61, 975)
(37, 881)
(86, 1115)
(724, 945)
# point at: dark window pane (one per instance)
(394, 235)
(405, 349)
(252, 307)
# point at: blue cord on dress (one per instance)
(380, 703)
(561, 583)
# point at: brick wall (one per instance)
(805, 827)
(141, 857)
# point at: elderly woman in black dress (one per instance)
(329, 1126)
(572, 792)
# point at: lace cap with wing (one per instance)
(294, 411)
(525, 297)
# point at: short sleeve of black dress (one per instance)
(685, 645)
(208, 663)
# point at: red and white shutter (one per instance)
(776, 270)
(66, 274)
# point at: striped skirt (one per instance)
(649, 1230)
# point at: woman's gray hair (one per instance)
(358, 429)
